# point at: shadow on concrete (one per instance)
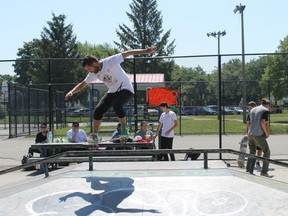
(115, 190)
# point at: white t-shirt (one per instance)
(81, 136)
(167, 120)
(112, 74)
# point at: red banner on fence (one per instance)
(155, 96)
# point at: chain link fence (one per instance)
(209, 102)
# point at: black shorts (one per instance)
(116, 100)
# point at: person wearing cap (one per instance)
(75, 134)
(167, 122)
(258, 134)
(251, 105)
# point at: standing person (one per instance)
(167, 122)
(258, 135)
(120, 89)
(251, 105)
(75, 134)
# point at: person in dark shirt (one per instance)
(258, 135)
(41, 137)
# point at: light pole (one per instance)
(240, 8)
(218, 35)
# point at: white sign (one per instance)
(4, 86)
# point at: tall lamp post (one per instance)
(240, 8)
(218, 35)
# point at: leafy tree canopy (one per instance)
(275, 77)
(99, 51)
(57, 41)
(193, 83)
(146, 31)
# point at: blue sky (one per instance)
(95, 21)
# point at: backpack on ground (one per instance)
(192, 156)
(25, 160)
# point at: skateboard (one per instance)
(121, 138)
(243, 148)
(95, 140)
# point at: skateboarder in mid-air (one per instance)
(120, 89)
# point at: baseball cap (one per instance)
(265, 101)
(251, 103)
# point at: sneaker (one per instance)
(266, 175)
(94, 138)
(125, 132)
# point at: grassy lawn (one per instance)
(231, 124)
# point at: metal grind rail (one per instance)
(117, 155)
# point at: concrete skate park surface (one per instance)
(146, 188)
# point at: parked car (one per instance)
(153, 112)
(228, 111)
(239, 110)
(187, 110)
(142, 112)
(70, 111)
(276, 109)
(225, 110)
(81, 112)
(203, 111)
(213, 107)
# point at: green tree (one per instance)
(275, 78)
(100, 50)
(231, 80)
(7, 77)
(193, 83)
(29, 68)
(254, 71)
(146, 31)
(57, 43)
